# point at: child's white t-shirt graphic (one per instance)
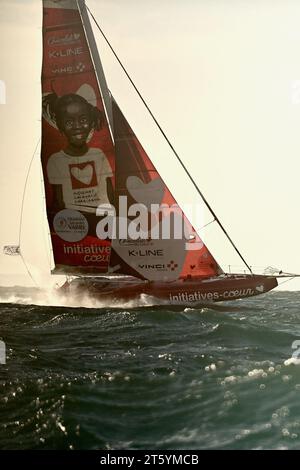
(83, 178)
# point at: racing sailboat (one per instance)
(116, 229)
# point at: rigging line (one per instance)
(22, 211)
(208, 223)
(287, 280)
(44, 214)
(169, 143)
(28, 271)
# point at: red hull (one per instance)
(182, 292)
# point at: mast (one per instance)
(97, 63)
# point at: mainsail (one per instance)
(85, 168)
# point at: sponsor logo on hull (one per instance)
(198, 296)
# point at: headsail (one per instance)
(160, 255)
(77, 149)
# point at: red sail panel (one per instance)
(157, 256)
(77, 155)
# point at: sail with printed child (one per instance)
(77, 148)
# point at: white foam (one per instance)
(53, 298)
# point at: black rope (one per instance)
(168, 141)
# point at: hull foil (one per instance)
(182, 292)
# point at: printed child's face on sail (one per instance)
(76, 123)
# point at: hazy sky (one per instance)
(223, 79)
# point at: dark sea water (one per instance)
(142, 377)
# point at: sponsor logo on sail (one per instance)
(58, 70)
(70, 225)
(90, 253)
(172, 265)
(156, 267)
(139, 241)
(198, 296)
(159, 266)
(66, 40)
(65, 53)
(146, 252)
